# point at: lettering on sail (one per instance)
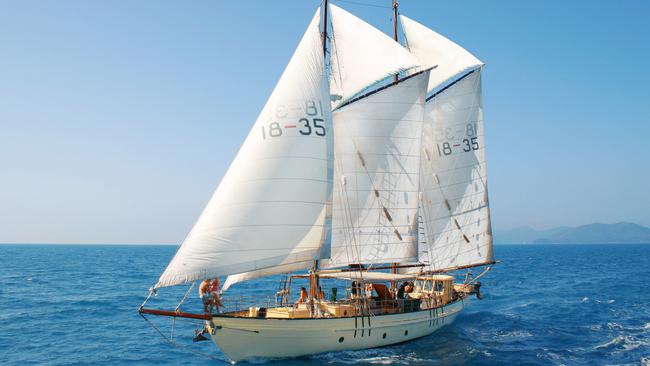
(312, 122)
(461, 140)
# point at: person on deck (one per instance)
(408, 288)
(214, 292)
(204, 294)
(400, 291)
(303, 296)
(368, 289)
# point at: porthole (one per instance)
(406, 332)
(384, 336)
(341, 340)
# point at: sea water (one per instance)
(543, 305)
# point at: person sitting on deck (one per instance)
(368, 290)
(214, 292)
(321, 293)
(204, 294)
(303, 296)
(408, 288)
(400, 291)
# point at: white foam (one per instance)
(627, 343)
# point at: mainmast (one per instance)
(393, 284)
(395, 5)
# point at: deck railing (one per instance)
(252, 306)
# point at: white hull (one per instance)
(245, 338)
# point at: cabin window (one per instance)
(406, 332)
(384, 336)
(341, 339)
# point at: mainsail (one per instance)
(271, 207)
(376, 174)
(454, 203)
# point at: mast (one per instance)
(395, 5)
(314, 281)
(393, 284)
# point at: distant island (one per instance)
(620, 233)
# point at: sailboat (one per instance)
(366, 166)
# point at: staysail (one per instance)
(454, 203)
(271, 207)
(376, 167)
(361, 55)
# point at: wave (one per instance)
(623, 343)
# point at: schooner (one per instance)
(366, 165)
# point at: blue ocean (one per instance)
(543, 305)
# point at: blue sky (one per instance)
(118, 119)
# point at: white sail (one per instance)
(432, 49)
(376, 165)
(271, 206)
(361, 55)
(286, 268)
(454, 203)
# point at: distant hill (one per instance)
(622, 232)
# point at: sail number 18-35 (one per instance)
(308, 125)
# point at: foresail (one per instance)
(376, 166)
(432, 49)
(362, 55)
(271, 207)
(454, 203)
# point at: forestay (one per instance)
(432, 49)
(361, 55)
(271, 206)
(376, 165)
(455, 207)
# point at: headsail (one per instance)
(271, 207)
(362, 55)
(433, 49)
(376, 167)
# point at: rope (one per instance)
(152, 292)
(181, 347)
(178, 307)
